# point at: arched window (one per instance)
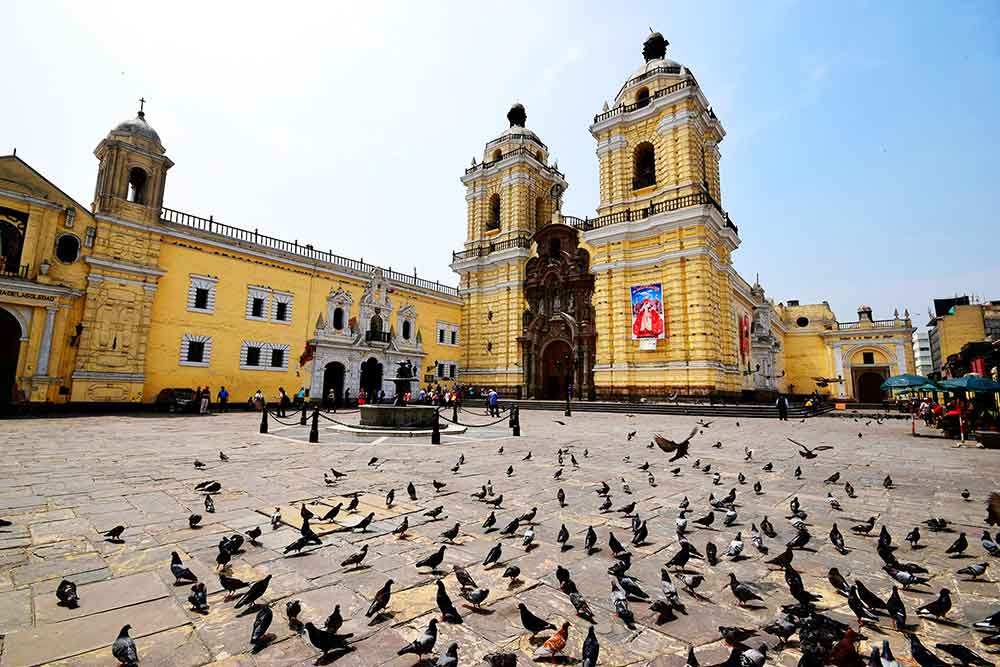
(642, 97)
(554, 247)
(644, 159)
(406, 330)
(338, 318)
(67, 248)
(137, 185)
(494, 219)
(375, 324)
(497, 154)
(539, 213)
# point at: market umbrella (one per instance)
(906, 381)
(973, 383)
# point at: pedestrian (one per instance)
(493, 401)
(347, 398)
(381, 396)
(206, 397)
(300, 397)
(283, 401)
(223, 399)
(782, 405)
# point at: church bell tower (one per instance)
(511, 192)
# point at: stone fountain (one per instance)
(399, 415)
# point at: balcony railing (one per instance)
(626, 108)
(378, 336)
(631, 215)
(14, 271)
(520, 150)
(514, 136)
(875, 324)
(294, 248)
(662, 69)
(493, 246)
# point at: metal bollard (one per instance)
(569, 411)
(454, 412)
(516, 418)
(302, 419)
(263, 418)
(314, 431)
(436, 430)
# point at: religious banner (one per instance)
(647, 312)
(744, 339)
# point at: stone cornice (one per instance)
(124, 267)
(42, 290)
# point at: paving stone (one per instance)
(101, 596)
(15, 610)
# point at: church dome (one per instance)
(138, 127)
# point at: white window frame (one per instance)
(286, 298)
(201, 282)
(265, 355)
(448, 329)
(255, 292)
(186, 340)
(446, 365)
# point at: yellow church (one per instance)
(117, 302)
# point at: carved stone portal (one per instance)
(558, 335)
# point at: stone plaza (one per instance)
(64, 481)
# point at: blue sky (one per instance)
(859, 162)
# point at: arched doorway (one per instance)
(867, 387)
(371, 378)
(333, 379)
(10, 346)
(557, 369)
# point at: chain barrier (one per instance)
(275, 418)
(470, 425)
(484, 414)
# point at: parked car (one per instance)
(177, 399)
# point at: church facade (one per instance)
(115, 302)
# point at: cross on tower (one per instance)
(142, 103)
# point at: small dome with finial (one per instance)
(139, 127)
(655, 46)
(517, 116)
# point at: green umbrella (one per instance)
(906, 381)
(972, 383)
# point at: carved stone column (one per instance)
(45, 349)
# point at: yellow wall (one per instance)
(963, 326)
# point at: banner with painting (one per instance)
(647, 312)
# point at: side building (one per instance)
(115, 303)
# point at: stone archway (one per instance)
(867, 385)
(10, 348)
(556, 369)
(371, 378)
(558, 288)
(333, 380)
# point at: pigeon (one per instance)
(476, 597)
(905, 577)
(606, 505)
(115, 534)
(638, 538)
(735, 547)
(495, 502)
(897, 610)
(679, 449)
(337, 474)
(632, 588)
(528, 538)
(356, 558)
(975, 571)
(449, 658)
(561, 497)
(433, 560)
(527, 457)
(403, 526)
(871, 600)
(736, 635)
(782, 628)
(423, 644)
(833, 502)
(754, 657)
(706, 520)
(490, 521)
(326, 641)
(887, 482)
(590, 540)
(450, 534)
(580, 604)
(352, 506)
(209, 505)
(296, 546)
(199, 465)
(253, 593)
(758, 488)
(730, 517)
(499, 659)
(591, 649)
(199, 598)
(922, 655)
(690, 582)
(767, 528)
(742, 592)
(381, 599)
(938, 608)
(554, 645)
(334, 620)
(619, 600)
(364, 523)
(807, 453)
(493, 556)
(511, 527)
(989, 624)
(373, 460)
(532, 623)
(231, 584)
(849, 490)
(66, 594)
(465, 580)
(201, 486)
(181, 574)
(832, 479)
(913, 537)
(837, 539)
(861, 612)
(563, 537)
(799, 540)
(194, 520)
(123, 648)
(989, 544)
(958, 546)
(965, 656)
(390, 497)
(864, 528)
(223, 557)
(305, 512)
(512, 572)
(223, 456)
(838, 582)
(292, 610)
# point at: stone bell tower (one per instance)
(511, 193)
(123, 271)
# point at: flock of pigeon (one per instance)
(822, 640)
